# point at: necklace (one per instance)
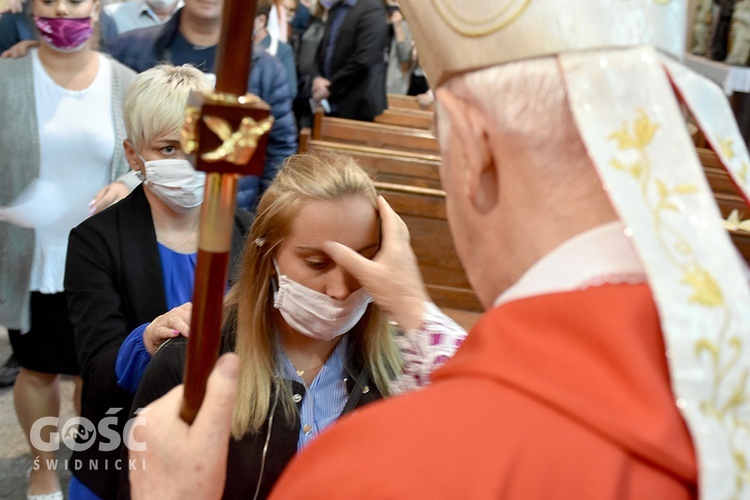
(302, 372)
(188, 240)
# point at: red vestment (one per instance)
(564, 395)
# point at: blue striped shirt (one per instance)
(325, 398)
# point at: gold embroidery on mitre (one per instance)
(238, 146)
(729, 394)
(490, 22)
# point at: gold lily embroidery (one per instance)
(726, 147)
(638, 137)
(729, 394)
(642, 133)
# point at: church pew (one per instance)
(725, 192)
(727, 197)
(423, 211)
(413, 118)
(373, 135)
(741, 240)
(395, 167)
(407, 102)
(718, 178)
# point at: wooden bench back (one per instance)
(727, 196)
(374, 135)
(412, 118)
(423, 211)
(396, 101)
(393, 167)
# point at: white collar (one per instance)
(146, 9)
(600, 255)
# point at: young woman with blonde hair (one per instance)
(312, 343)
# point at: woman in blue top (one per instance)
(130, 270)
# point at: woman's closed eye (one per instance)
(317, 265)
(51, 2)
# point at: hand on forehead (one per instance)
(351, 220)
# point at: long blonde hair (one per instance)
(313, 176)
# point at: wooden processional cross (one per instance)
(225, 134)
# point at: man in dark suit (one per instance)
(351, 60)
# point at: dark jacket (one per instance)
(114, 283)
(15, 27)
(358, 64)
(145, 48)
(246, 455)
(285, 55)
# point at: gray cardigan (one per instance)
(19, 164)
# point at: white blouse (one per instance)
(77, 144)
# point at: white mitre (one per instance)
(619, 61)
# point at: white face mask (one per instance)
(315, 314)
(175, 182)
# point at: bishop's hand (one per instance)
(392, 277)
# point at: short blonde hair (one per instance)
(155, 101)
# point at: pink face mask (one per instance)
(64, 34)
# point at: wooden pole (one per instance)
(224, 133)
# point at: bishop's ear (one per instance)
(464, 134)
